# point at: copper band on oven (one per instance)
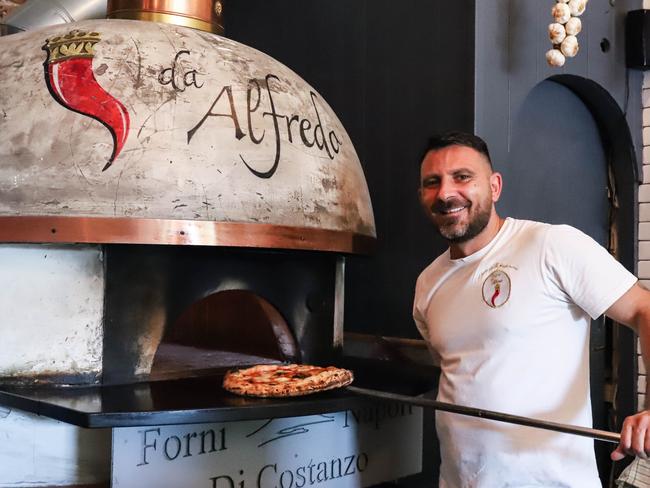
(205, 15)
(105, 230)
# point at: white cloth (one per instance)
(509, 326)
(637, 474)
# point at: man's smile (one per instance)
(452, 210)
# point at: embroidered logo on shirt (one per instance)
(496, 288)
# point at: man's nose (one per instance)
(446, 189)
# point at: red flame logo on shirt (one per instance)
(496, 289)
(71, 81)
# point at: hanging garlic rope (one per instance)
(563, 32)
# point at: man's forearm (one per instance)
(633, 310)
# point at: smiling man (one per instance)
(506, 312)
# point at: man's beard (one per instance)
(455, 233)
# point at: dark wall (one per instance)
(394, 72)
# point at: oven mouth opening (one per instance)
(224, 330)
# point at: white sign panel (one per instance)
(356, 448)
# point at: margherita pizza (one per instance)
(282, 380)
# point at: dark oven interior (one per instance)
(181, 311)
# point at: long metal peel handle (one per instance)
(601, 435)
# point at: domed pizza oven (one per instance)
(172, 202)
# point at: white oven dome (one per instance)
(139, 132)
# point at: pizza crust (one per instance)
(285, 380)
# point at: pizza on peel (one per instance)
(284, 380)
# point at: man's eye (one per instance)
(429, 183)
(463, 177)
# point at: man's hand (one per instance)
(635, 437)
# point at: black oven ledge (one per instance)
(202, 399)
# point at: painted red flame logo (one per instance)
(72, 83)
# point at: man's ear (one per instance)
(496, 185)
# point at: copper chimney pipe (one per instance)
(205, 15)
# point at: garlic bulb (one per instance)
(555, 58)
(573, 26)
(556, 33)
(569, 46)
(577, 7)
(561, 12)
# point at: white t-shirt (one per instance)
(509, 326)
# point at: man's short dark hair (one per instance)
(457, 139)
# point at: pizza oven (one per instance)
(173, 204)
(189, 210)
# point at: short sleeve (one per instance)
(583, 270)
(420, 323)
(423, 328)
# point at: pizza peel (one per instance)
(601, 435)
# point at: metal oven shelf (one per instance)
(198, 399)
(189, 400)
